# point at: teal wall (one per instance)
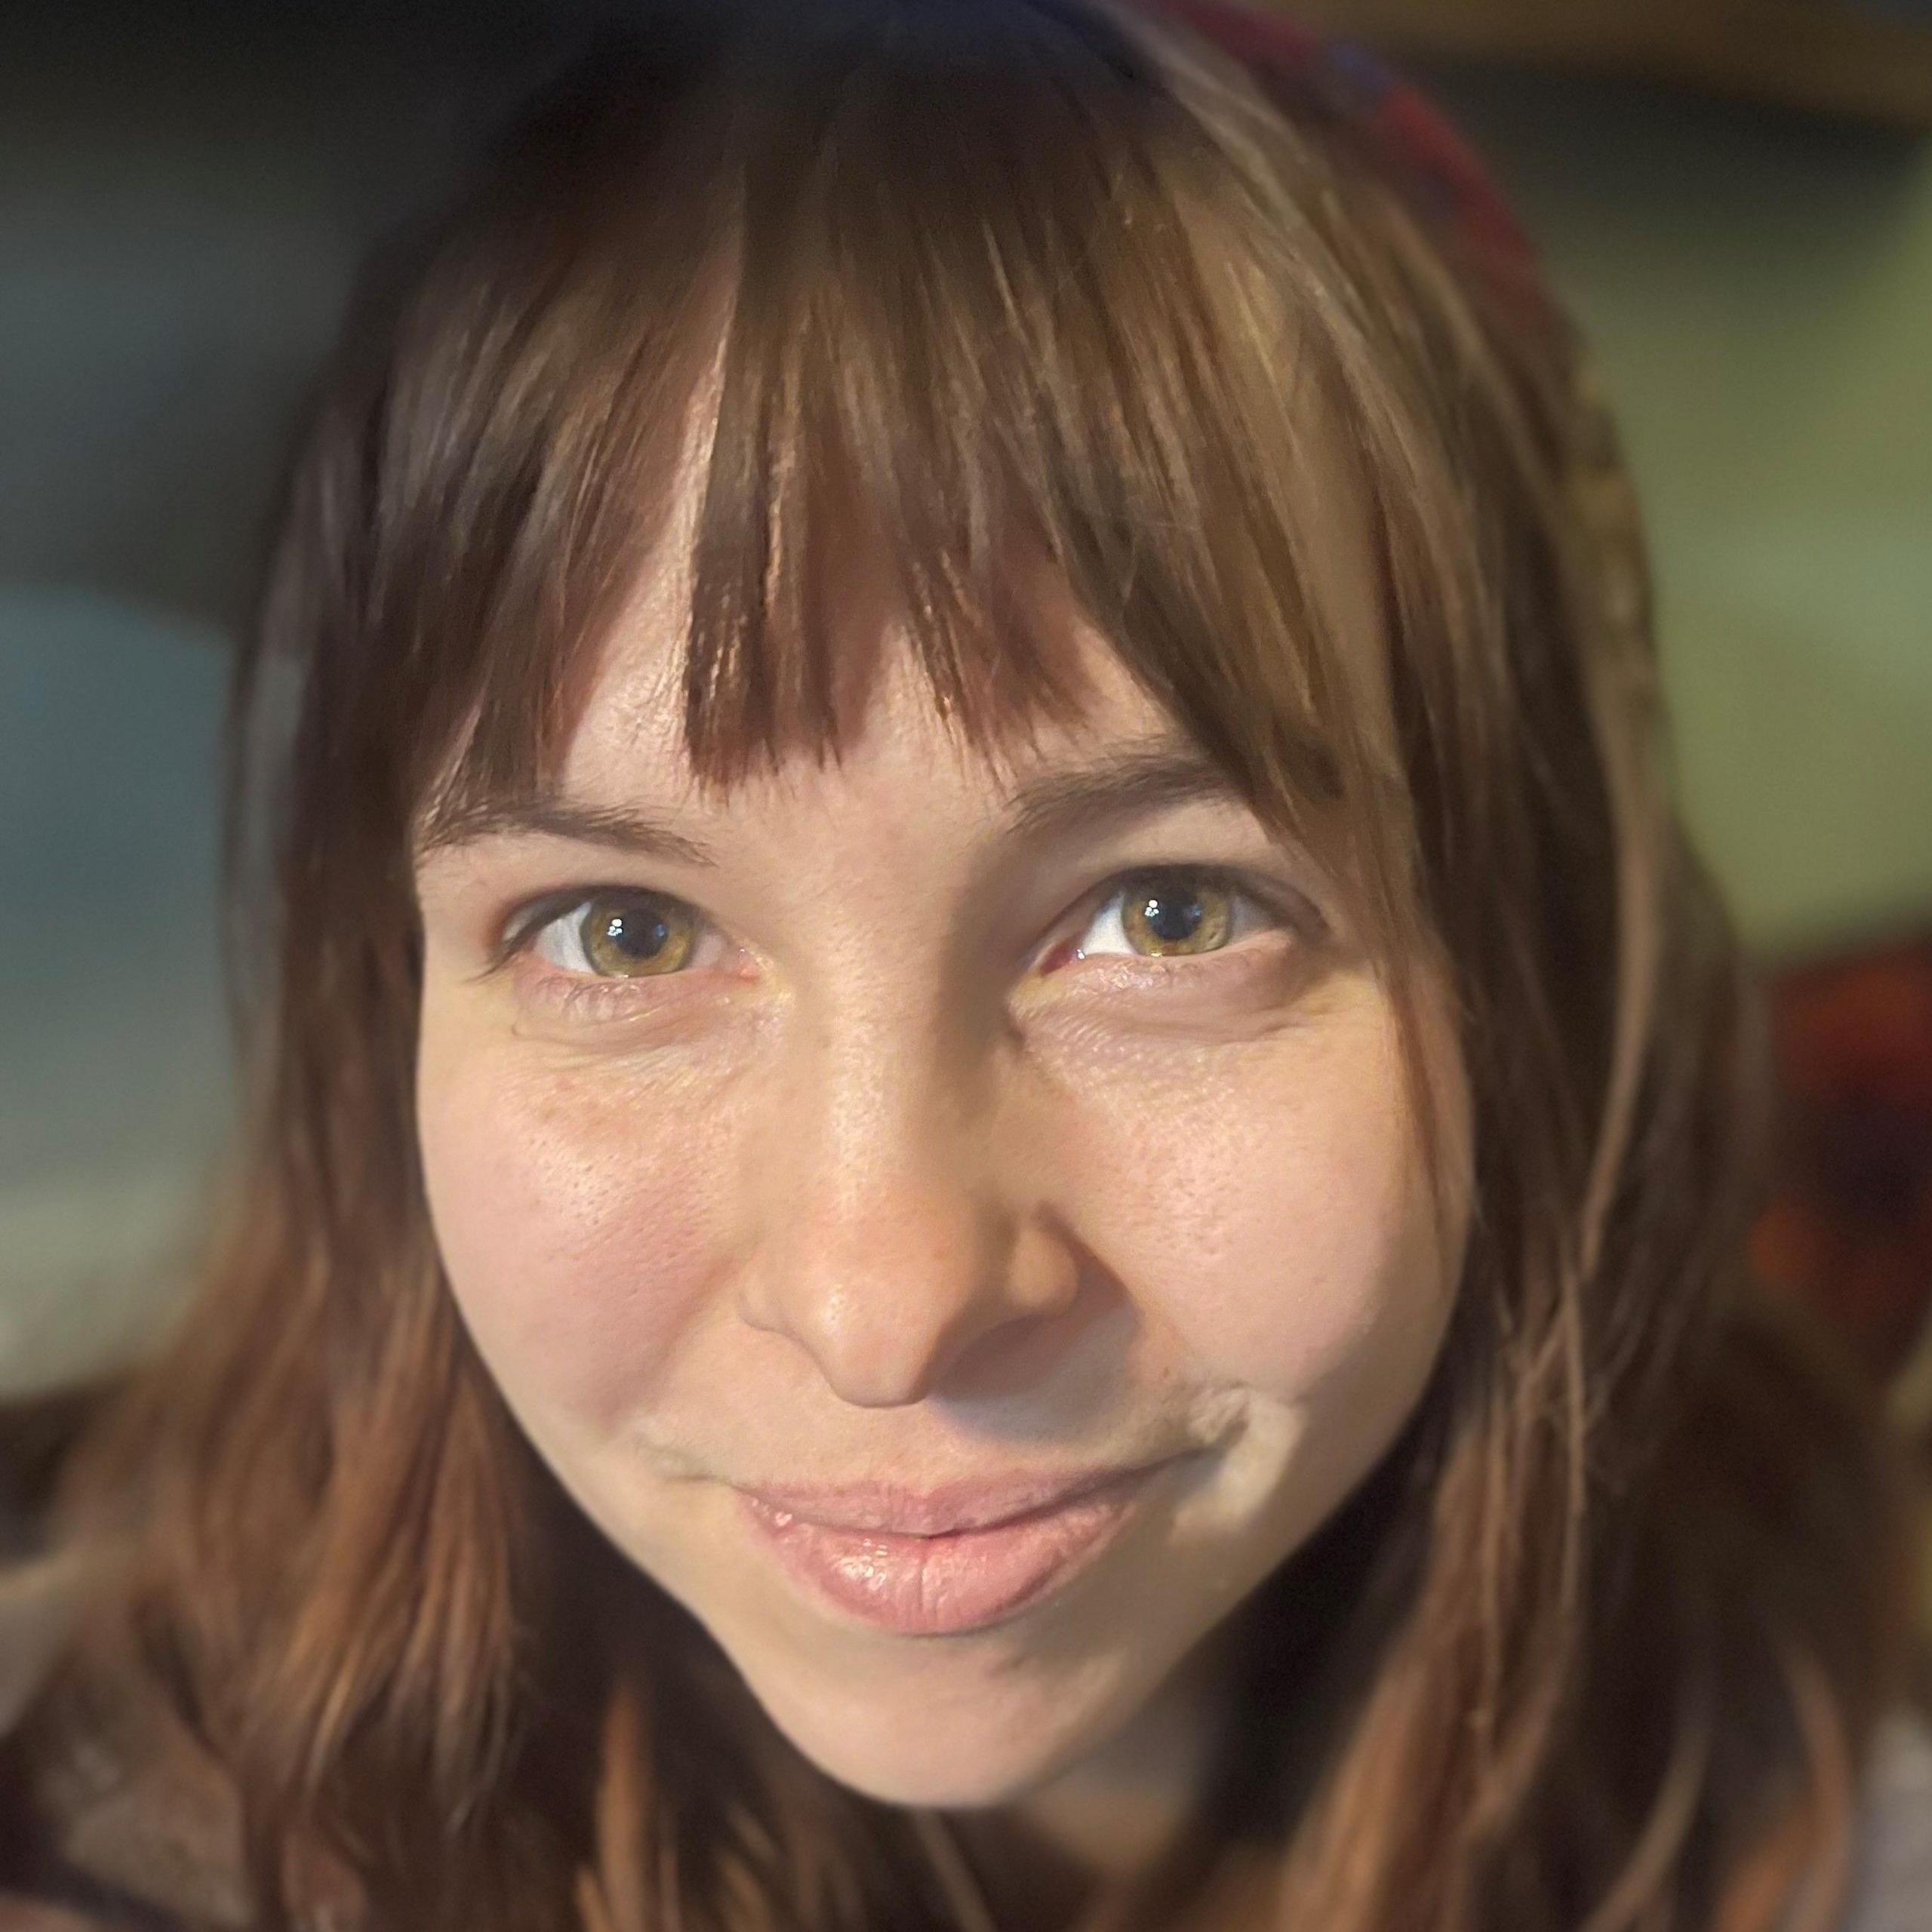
(1759, 289)
(114, 1068)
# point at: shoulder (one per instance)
(38, 1597)
(112, 1820)
(1892, 1881)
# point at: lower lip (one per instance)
(944, 1586)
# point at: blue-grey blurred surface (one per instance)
(114, 1063)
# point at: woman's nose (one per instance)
(889, 1249)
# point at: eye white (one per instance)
(559, 943)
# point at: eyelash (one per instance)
(1283, 908)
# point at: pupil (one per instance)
(1171, 917)
(638, 936)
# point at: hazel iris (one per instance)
(1164, 917)
(629, 937)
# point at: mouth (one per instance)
(947, 1561)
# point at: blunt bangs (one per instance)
(975, 310)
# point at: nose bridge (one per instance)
(886, 1245)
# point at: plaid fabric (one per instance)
(1850, 1229)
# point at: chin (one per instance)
(936, 1770)
(961, 1747)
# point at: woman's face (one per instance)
(956, 1229)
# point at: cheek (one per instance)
(1271, 1214)
(574, 1209)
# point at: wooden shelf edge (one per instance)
(1810, 54)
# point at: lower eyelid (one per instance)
(1261, 968)
(592, 995)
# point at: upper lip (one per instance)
(972, 1503)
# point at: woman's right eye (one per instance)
(620, 936)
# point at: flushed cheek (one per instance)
(577, 1211)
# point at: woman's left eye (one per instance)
(1170, 915)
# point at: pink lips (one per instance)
(943, 1562)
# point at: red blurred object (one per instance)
(1850, 1228)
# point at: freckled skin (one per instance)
(885, 1201)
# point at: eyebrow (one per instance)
(617, 827)
(1124, 782)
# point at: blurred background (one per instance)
(1735, 194)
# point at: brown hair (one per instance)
(1603, 1642)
